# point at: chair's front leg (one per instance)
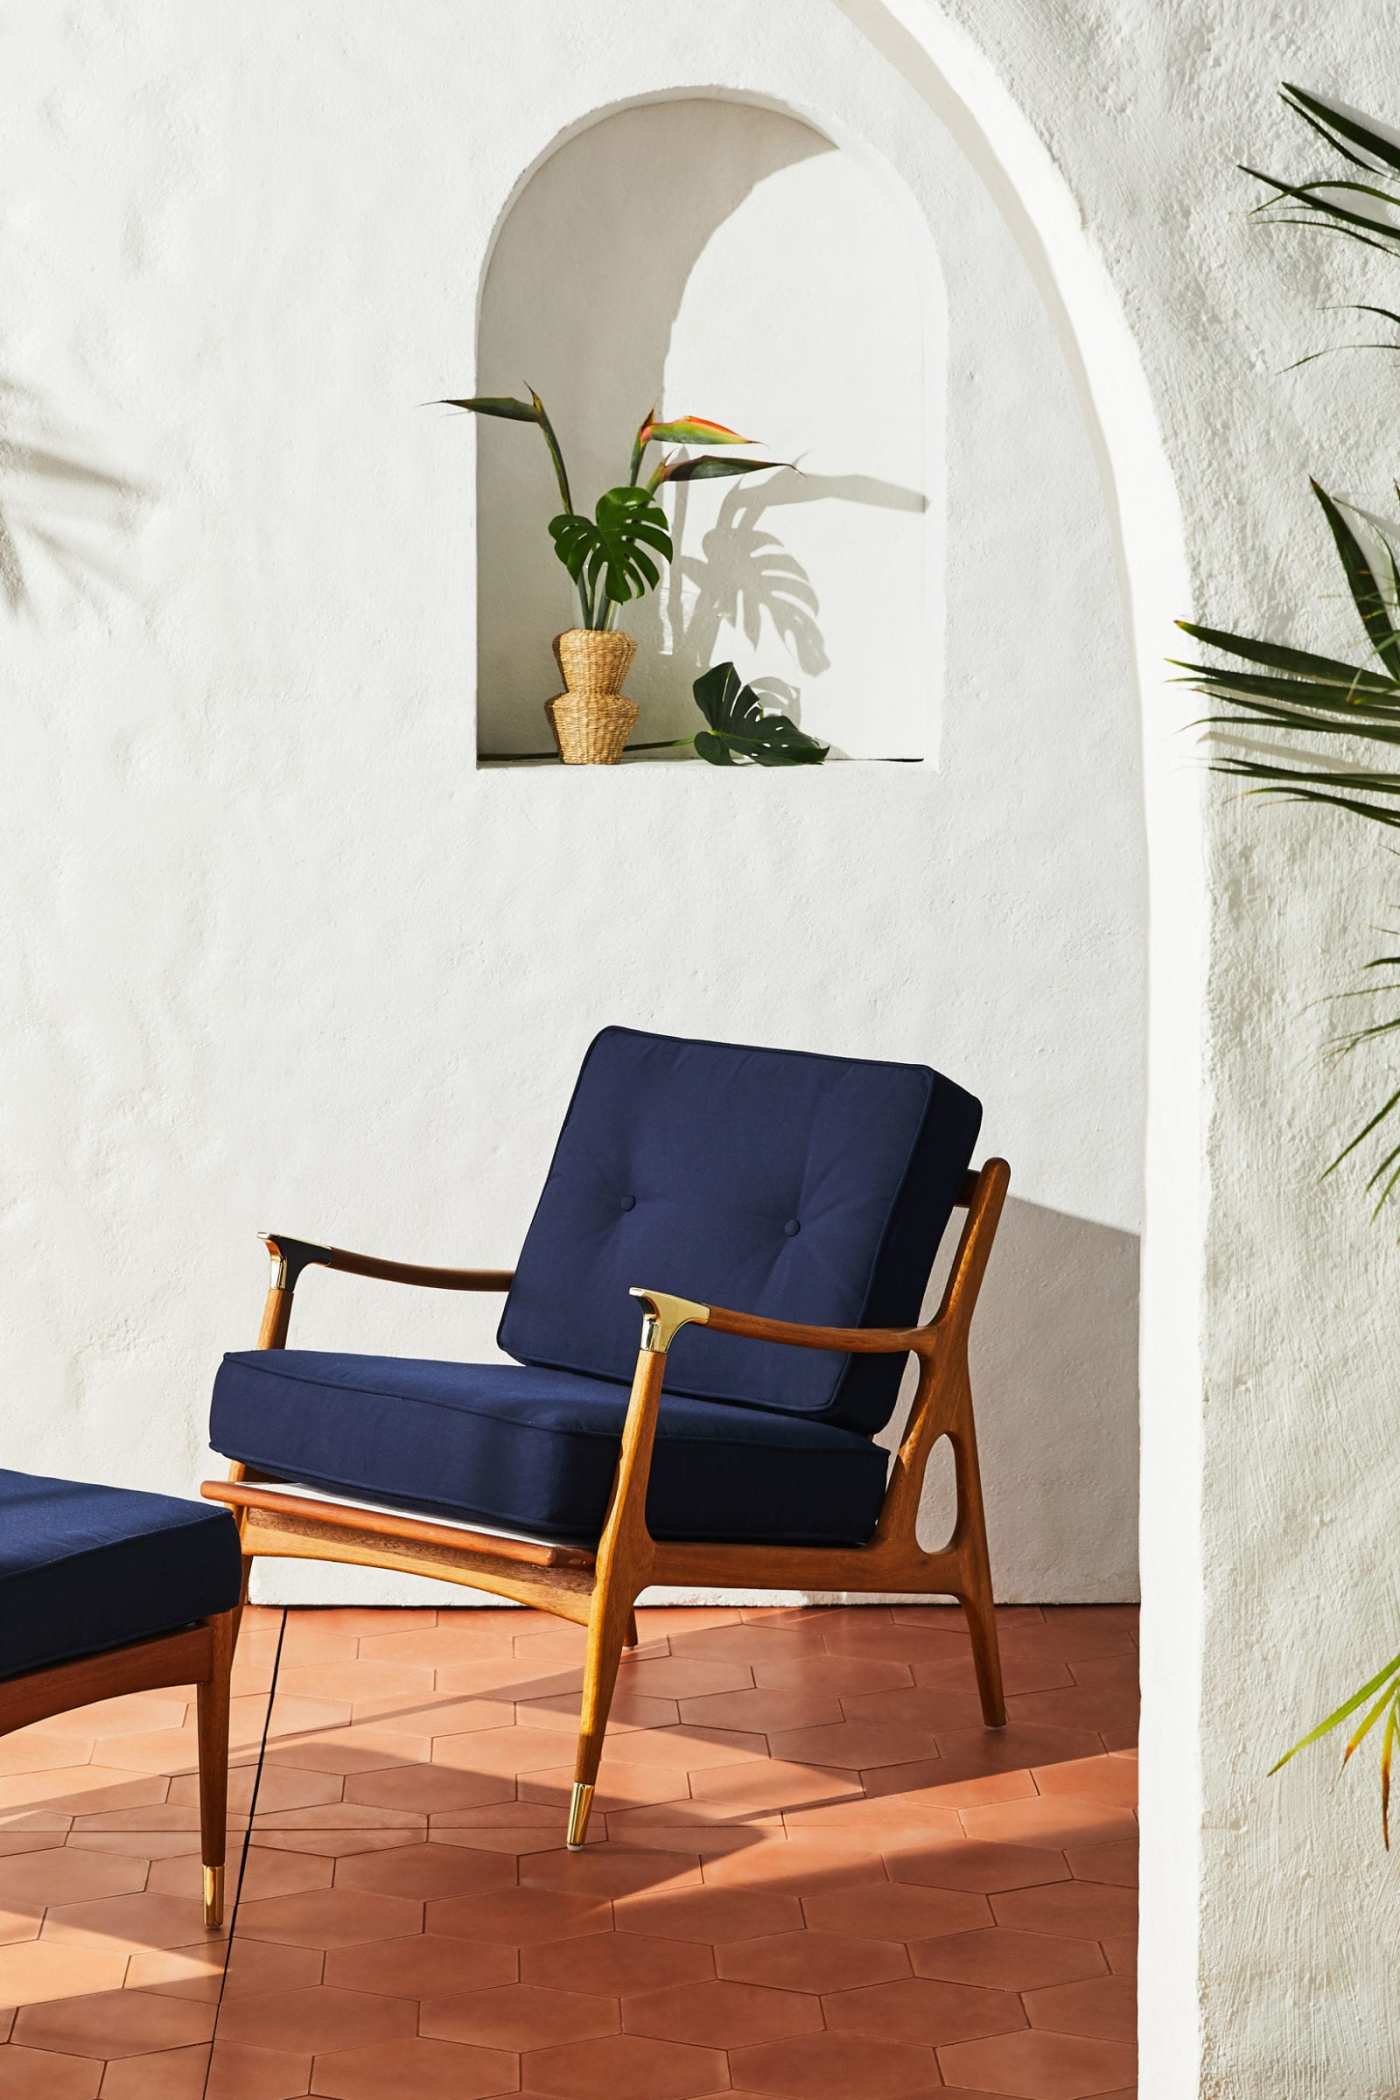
(625, 1551)
(213, 1709)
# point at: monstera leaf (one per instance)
(612, 545)
(740, 727)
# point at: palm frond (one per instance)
(1295, 693)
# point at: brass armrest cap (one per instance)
(666, 1315)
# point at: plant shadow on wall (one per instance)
(742, 576)
(1348, 712)
(57, 511)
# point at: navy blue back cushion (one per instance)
(774, 1181)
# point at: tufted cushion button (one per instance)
(627, 1203)
(792, 1228)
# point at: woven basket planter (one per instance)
(592, 718)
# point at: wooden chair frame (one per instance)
(201, 1655)
(598, 1588)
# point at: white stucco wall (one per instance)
(1267, 1958)
(275, 954)
(284, 957)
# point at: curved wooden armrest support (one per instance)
(667, 1314)
(292, 1256)
(980, 1194)
(850, 1341)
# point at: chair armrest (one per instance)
(669, 1314)
(293, 1256)
(625, 1541)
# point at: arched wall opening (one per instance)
(962, 89)
(720, 256)
(1142, 568)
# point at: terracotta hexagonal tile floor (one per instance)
(1005, 1960)
(812, 1874)
(32, 2074)
(1037, 2066)
(730, 2015)
(837, 2067)
(432, 2070)
(519, 2016)
(624, 2064)
(916, 2009)
(813, 1961)
(616, 1963)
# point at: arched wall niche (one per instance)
(723, 255)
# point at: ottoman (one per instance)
(105, 1590)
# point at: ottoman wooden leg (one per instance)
(213, 1763)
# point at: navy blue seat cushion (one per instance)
(535, 1450)
(85, 1567)
(774, 1181)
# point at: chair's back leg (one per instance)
(976, 1593)
(608, 1626)
(213, 1698)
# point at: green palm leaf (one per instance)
(1347, 1707)
(1294, 693)
(1337, 125)
(1387, 1751)
(1301, 663)
(1314, 198)
(1367, 595)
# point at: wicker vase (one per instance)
(592, 719)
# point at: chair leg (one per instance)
(976, 1594)
(630, 1638)
(608, 1627)
(986, 1656)
(213, 1696)
(241, 1606)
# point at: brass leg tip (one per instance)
(580, 1802)
(213, 1898)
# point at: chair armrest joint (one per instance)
(293, 1256)
(665, 1316)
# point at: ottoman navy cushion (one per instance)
(84, 1567)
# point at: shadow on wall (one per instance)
(56, 510)
(1055, 1384)
(663, 257)
(747, 580)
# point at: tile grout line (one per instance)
(247, 1846)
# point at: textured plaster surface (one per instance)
(271, 947)
(1144, 111)
(283, 957)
